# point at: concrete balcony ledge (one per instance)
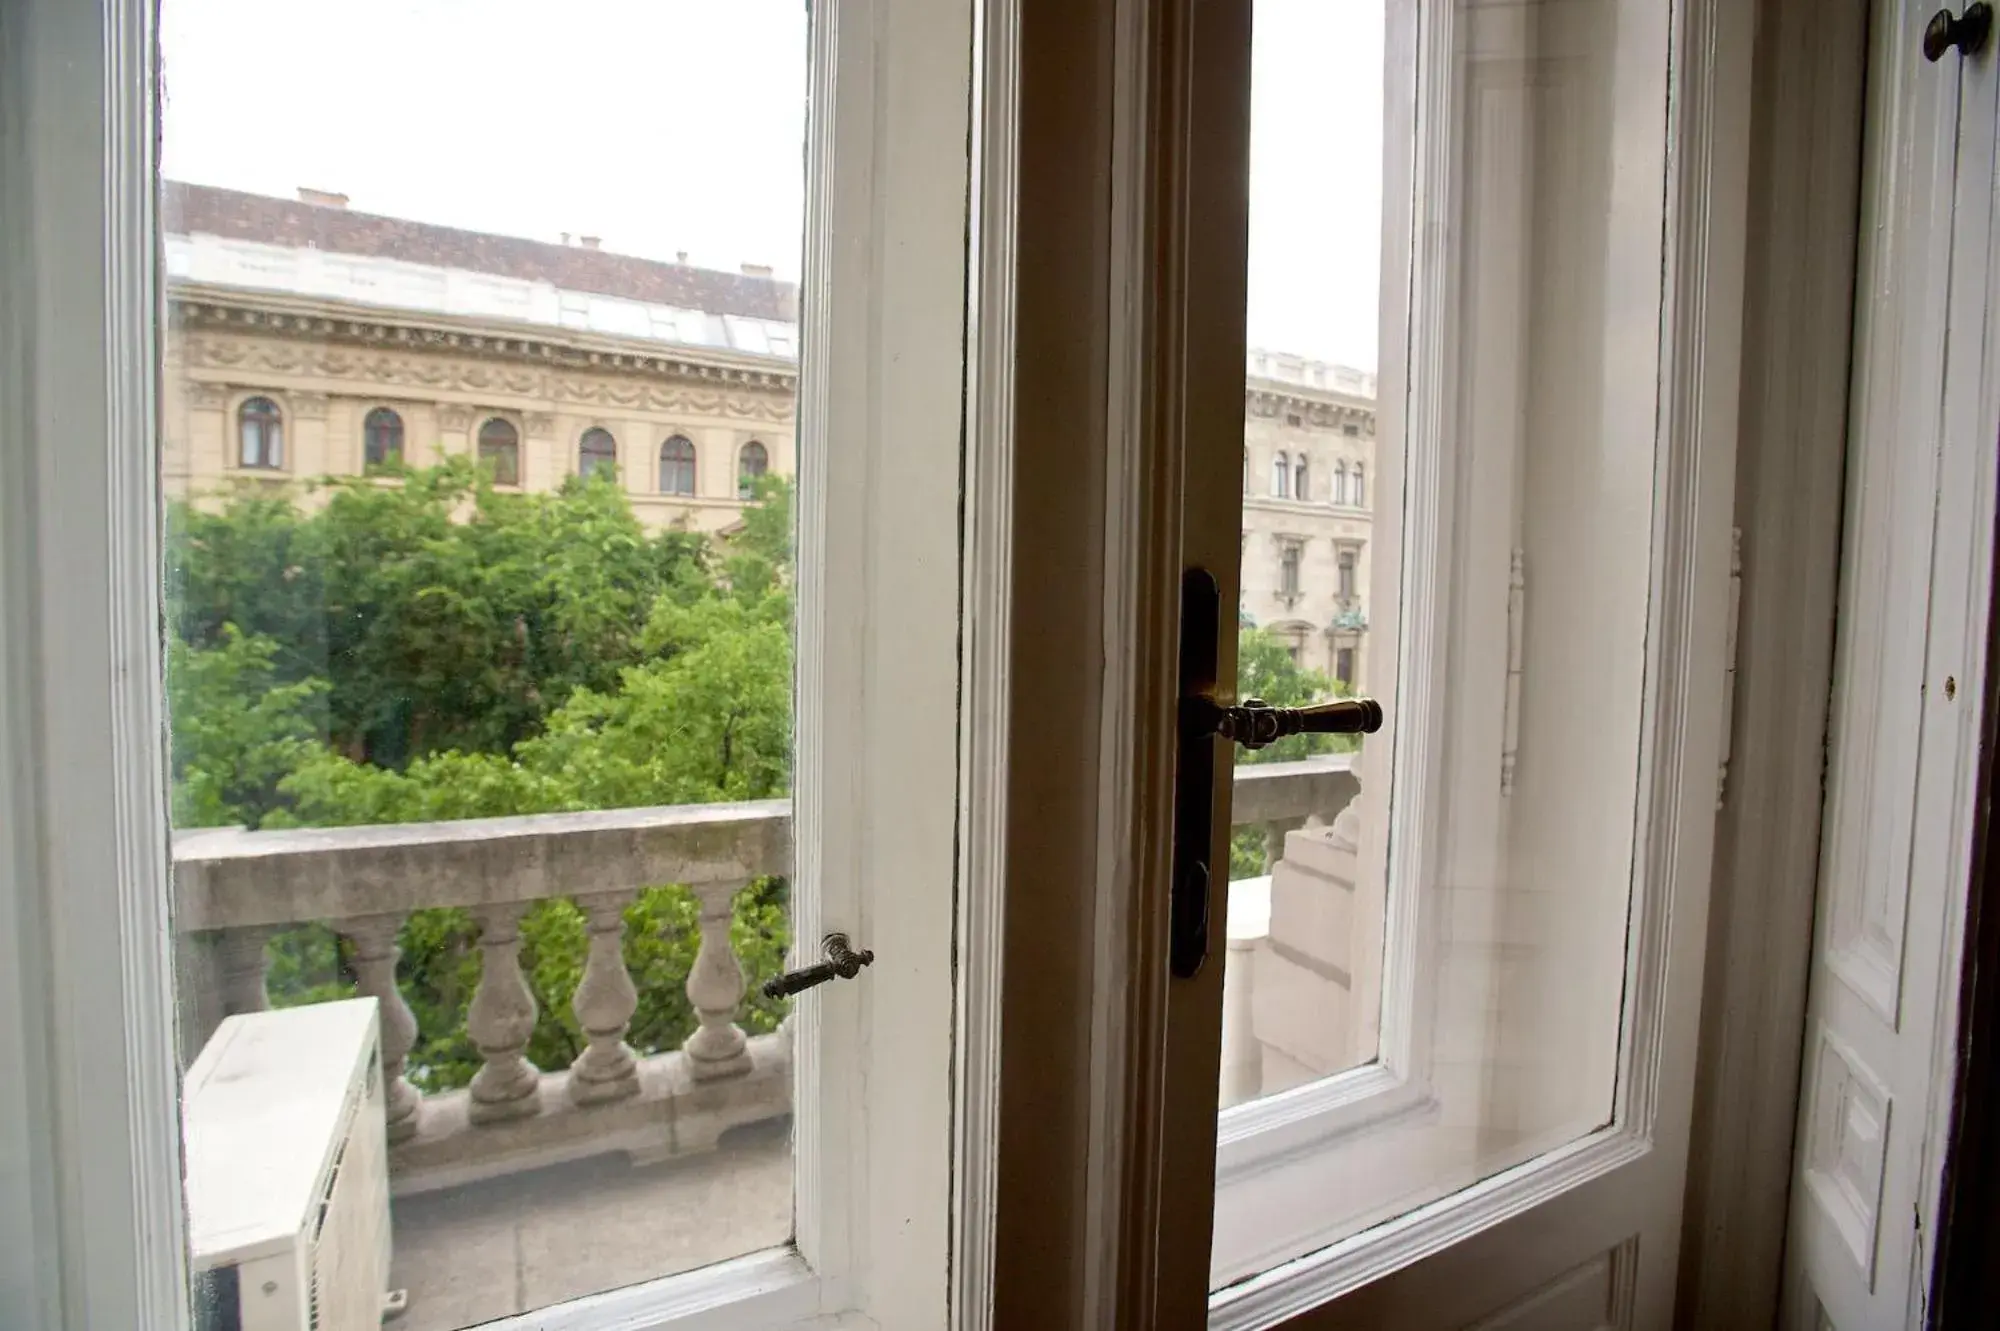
(672, 1114)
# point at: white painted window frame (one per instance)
(1699, 342)
(895, 793)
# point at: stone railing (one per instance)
(235, 889)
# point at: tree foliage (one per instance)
(416, 645)
(433, 648)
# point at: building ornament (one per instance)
(451, 416)
(225, 334)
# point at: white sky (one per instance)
(669, 125)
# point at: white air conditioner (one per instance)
(288, 1172)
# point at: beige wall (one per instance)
(325, 386)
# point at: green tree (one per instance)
(357, 652)
(238, 732)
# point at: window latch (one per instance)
(842, 962)
(1252, 723)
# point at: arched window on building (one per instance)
(263, 431)
(677, 466)
(751, 463)
(381, 438)
(1301, 480)
(1281, 476)
(1339, 495)
(1360, 495)
(500, 448)
(596, 452)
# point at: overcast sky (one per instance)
(670, 125)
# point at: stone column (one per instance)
(500, 1020)
(542, 461)
(604, 1002)
(240, 967)
(375, 956)
(454, 427)
(715, 987)
(306, 440)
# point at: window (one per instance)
(263, 431)
(1288, 571)
(1301, 480)
(677, 466)
(1339, 495)
(1351, 430)
(1281, 476)
(500, 448)
(1343, 665)
(1348, 561)
(751, 463)
(1359, 495)
(596, 453)
(1292, 419)
(381, 438)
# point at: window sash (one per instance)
(893, 788)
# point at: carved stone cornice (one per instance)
(263, 357)
(1270, 401)
(403, 348)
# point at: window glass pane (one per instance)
(1428, 927)
(459, 749)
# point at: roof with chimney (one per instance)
(332, 227)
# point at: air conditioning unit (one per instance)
(288, 1172)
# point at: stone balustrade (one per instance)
(235, 889)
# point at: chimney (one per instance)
(681, 257)
(756, 270)
(590, 242)
(322, 198)
(565, 237)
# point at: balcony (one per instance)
(537, 1184)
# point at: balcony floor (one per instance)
(470, 1254)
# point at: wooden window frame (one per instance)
(97, 1234)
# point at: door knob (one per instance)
(1967, 32)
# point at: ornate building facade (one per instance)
(1308, 495)
(306, 339)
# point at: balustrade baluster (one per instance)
(375, 957)
(604, 1002)
(500, 1021)
(715, 987)
(240, 964)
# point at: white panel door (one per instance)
(1875, 1083)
